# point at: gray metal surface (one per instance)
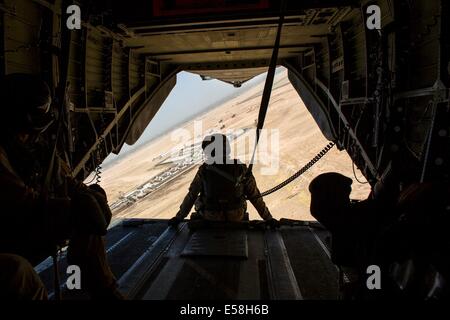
(283, 284)
(154, 262)
(165, 279)
(136, 276)
(316, 275)
(230, 243)
(250, 286)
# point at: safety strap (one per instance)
(267, 89)
(63, 91)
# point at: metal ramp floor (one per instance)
(248, 262)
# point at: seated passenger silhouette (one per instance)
(34, 220)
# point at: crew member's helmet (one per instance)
(26, 101)
(216, 145)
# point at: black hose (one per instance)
(301, 171)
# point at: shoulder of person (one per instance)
(202, 168)
(239, 163)
(242, 166)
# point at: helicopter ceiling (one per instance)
(229, 42)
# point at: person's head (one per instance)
(26, 101)
(329, 191)
(216, 148)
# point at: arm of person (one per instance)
(254, 195)
(28, 212)
(191, 197)
(32, 211)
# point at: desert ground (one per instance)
(288, 119)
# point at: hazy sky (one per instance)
(190, 96)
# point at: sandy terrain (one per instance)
(300, 140)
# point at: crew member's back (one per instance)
(221, 187)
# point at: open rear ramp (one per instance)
(196, 261)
